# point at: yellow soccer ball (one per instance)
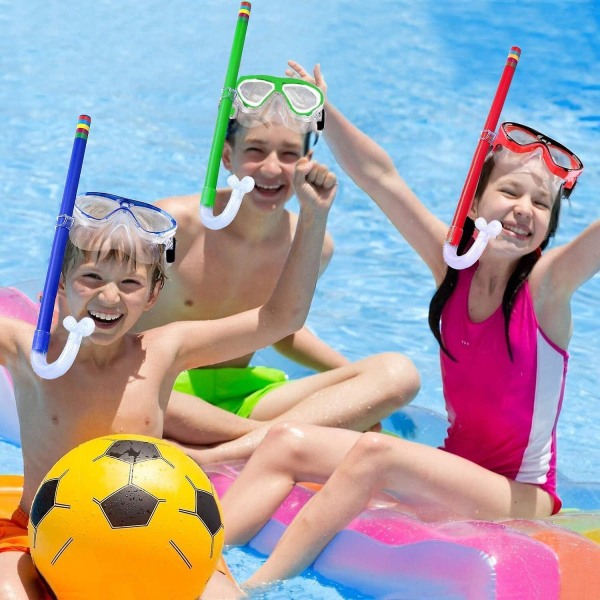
(126, 516)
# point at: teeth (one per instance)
(104, 316)
(268, 187)
(516, 230)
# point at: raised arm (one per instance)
(211, 342)
(558, 275)
(372, 169)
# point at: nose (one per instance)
(271, 165)
(524, 207)
(109, 294)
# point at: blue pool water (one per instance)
(417, 76)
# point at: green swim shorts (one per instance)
(237, 390)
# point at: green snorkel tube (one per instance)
(77, 329)
(239, 188)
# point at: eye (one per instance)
(93, 276)
(508, 191)
(542, 204)
(254, 151)
(131, 282)
(291, 156)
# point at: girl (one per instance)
(503, 326)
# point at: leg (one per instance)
(191, 420)
(19, 579)
(355, 396)
(420, 476)
(288, 454)
(220, 587)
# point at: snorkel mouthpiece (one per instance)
(77, 331)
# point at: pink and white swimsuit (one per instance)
(502, 413)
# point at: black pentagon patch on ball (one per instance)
(133, 451)
(131, 506)
(44, 501)
(207, 511)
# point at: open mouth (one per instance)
(105, 320)
(268, 190)
(516, 232)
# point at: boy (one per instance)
(219, 273)
(121, 381)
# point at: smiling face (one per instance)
(267, 153)
(522, 195)
(113, 292)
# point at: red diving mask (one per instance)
(559, 160)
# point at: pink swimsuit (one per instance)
(502, 413)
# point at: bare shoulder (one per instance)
(15, 338)
(183, 208)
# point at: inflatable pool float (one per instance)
(387, 554)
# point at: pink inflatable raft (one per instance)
(386, 554)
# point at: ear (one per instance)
(226, 156)
(153, 298)
(473, 210)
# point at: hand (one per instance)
(297, 70)
(315, 185)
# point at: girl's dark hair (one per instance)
(516, 280)
(233, 126)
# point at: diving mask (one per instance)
(559, 160)
(104, 221)
(294, 103)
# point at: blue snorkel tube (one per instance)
(85, 327)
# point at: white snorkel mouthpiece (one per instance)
(77, 331)
(487, 232)
(239, 190)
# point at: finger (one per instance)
(303, 167)
(317, 175)
(318, 73)
(330, 180)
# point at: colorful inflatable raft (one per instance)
(387, 554)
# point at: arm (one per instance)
(304, 347)
(372, 169)
(556, 277)
(210, 342)
(307, 349)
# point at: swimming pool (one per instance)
(416, 76)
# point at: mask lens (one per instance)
(521, 136)
(253, 92)
(302, 98)
(562, 158)
(150, 220)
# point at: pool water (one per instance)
(418, 77)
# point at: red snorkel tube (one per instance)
(491, 230)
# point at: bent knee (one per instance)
(399, 371)
(372, 448)
(285, 442)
